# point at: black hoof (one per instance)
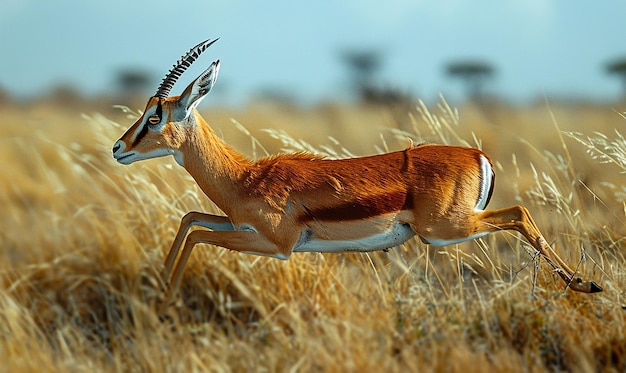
(595, 288)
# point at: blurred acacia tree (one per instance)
(473, 73)
(133, 81)
(364, 67)
(618, 67)
(132, 85)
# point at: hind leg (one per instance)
(518, 218)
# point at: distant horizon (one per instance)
(215, 101)
(537, 48)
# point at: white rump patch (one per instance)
(486, 180)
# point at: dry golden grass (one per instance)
(83, 240)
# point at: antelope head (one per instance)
(160, 131)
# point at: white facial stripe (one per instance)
(142, 128)
(154, 110)
(139, 129)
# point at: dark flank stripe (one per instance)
(144, 129)
(361, 208)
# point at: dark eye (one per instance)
(154, 119)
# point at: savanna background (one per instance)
(83, 238)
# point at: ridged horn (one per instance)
(179, 68)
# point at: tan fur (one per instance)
(279, 203)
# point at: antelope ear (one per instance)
(195, 92)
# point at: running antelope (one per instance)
(301, 202)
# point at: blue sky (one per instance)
(538, 46)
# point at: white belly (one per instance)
(439, 242)
(395, 236)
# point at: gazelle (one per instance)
(300, 202)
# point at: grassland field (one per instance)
(83, 240)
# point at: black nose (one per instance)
(116, 147)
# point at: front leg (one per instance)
(212, 222)
(245, 241)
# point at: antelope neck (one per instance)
(215, 166)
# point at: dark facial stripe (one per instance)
(144, 129)
(159, 110)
